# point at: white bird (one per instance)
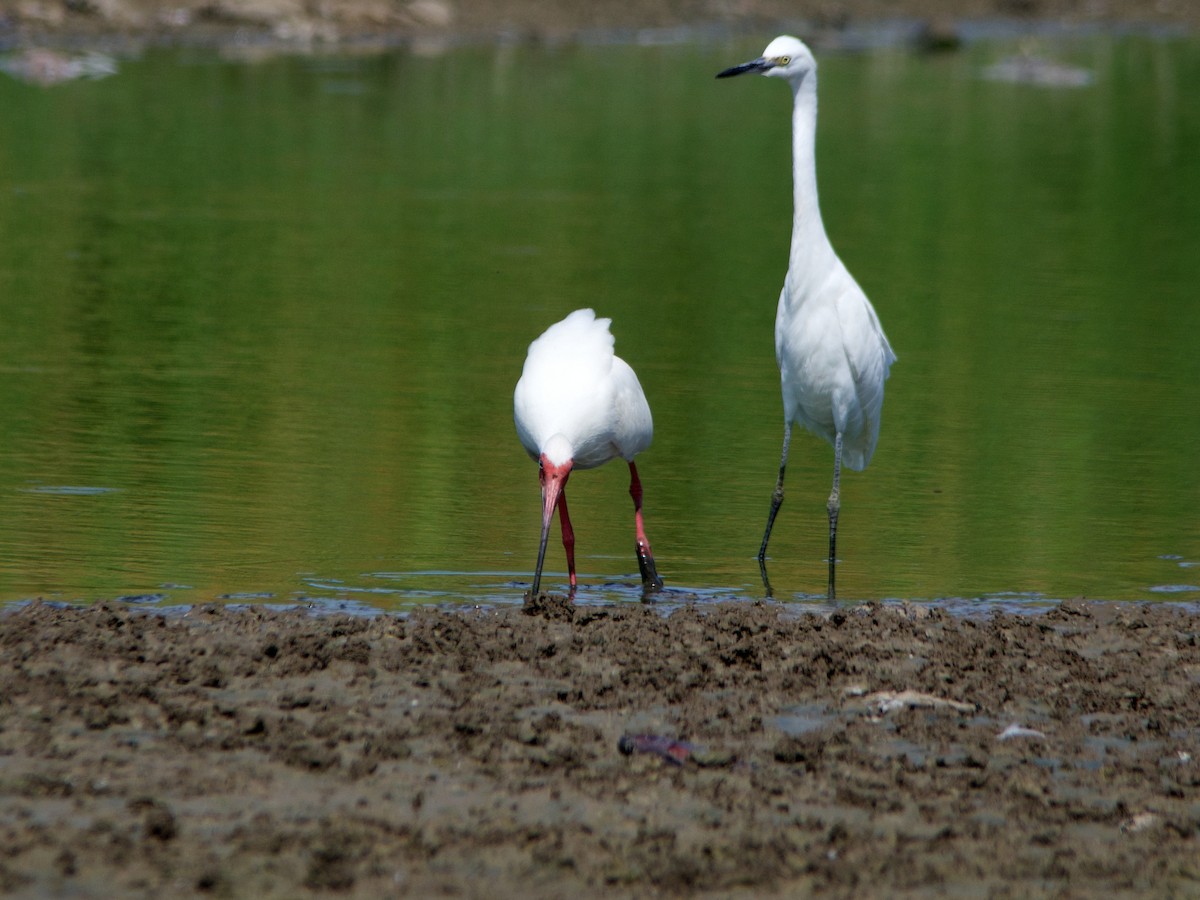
(833, 355)
(577, 406)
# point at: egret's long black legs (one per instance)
(835, 505)
(776, 502)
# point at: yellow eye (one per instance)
(784, 60)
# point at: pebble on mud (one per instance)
(158, 822)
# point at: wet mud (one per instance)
(733, 750)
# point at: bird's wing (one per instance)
(869, 356)
(632, 424)
(780, 327)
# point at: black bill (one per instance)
(755, 65)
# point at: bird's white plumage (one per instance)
(833, 360)
(833, 355)
(577, 400)
(577, 406)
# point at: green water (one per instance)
(260, 323)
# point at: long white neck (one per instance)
(811, 252)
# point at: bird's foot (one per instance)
(762, 569)
(651, 583)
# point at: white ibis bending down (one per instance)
(833, 355)
(577, 406)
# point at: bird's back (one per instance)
(833, 360)
(574, 385)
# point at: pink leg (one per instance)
(568, 535)
(650, 580)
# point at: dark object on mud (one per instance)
(673, 751)
(549, 606)
(158, 822)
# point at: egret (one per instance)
(833, 355)
(577, 406)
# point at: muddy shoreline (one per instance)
(306, 24)
(732, 749)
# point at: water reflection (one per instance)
(260, 335)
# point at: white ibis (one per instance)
(577, 406)
(833, 355)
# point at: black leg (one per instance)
(776, 502)
(834, 506)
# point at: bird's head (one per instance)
(785, 57)
(554, 468)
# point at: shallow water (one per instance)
(262, 322)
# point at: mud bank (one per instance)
(734, 750)
(329, 22)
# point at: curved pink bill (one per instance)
(554, 480)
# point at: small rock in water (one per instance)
(1028, 68)
(46, 67)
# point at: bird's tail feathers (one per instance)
(578, 341)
